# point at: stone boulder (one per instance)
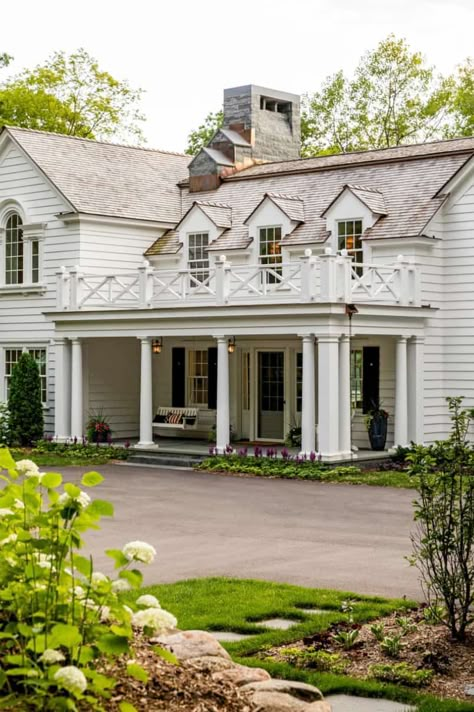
(241, 675)
(299, 690)
(189, 644)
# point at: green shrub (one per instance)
(401, 673)
(317, 660)
(4, 424)
(24, 402)
(74, 450)
(443, 544)
(378, 631)
(392, 645)
(346, 638)
(58, 617)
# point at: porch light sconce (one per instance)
(351, 309)
(231, 345)
(156, 345)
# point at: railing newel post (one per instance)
(62, 284)
(404, 286)
(308, 277)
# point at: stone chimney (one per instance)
(259, 125)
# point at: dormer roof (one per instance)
(167, 244)
(218, 213)
(291, 205)
(233, 137)
(370, 197)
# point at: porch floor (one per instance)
(190, 446)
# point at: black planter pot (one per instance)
(378, 432)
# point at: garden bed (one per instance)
(428, 659)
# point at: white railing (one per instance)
(325, 279)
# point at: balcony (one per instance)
(328, 278)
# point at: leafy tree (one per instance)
(463, 103)
(393, 98)
(70, 94)
(5, 59)
(24, 402)
(203, 134)
(443, 544)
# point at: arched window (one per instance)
(14, 250)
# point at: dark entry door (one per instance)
(271, 396)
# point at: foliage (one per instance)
(201, 136)
(433, 615)
(70, 94)
(98, 428)
(73, 452)
(375, 413)
(4, 424)
(24, 402)
(392, 645)
(378, 631)
(59, 617)
(293, 437)
(346, 638)
(5, 59)
(443, 544)
(316, 660)
(401, 673)
(406, 624)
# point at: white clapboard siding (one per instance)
(111, 248)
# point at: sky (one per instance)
(184, 53)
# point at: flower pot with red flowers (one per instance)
(98, 428)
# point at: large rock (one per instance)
(267, 701)
(299, 690)
(241, 675)
(189, 644)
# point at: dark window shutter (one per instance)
(370, 378)
(178, 371)
(212, 378)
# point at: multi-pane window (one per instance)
(270, 252)
(14, 250)
(35, 264)
(271, 381)
(198, 258)
(12, 357)
(356, 378)
(198, 377)
(299, 381)
(349, 238)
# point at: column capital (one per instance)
(60, 340)
(221, 339)
(401, 339)
(417, 340)
(144, 339)
(306, 337)
(328, 338)
(344, 338)
(75, 340)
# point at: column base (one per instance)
(220, 450)
(146, 446)
(336, 456)
(307, 454)
(62, 439)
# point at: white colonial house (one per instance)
(246, 288)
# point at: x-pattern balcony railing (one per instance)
(324, 279)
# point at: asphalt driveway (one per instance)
(321, 535)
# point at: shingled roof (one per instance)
(371, 197)
(108, 179)
(407, 178)
(167, 244)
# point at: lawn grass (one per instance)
(58, 459)
(306, 470)
(236, 605)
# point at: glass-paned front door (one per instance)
(271, 395)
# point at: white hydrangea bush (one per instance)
(58, 616)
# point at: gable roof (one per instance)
(233, 136)
(107, 179)
(218, 213)
(370, 197)
(291, 205)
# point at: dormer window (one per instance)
(270, 252)
(198, 258)
(349, 233)
(14, 250)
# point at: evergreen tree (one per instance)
(24, 402)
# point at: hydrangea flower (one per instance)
(154, 618)
(120, 586)
(72, 679)
(82, 498)
(97, 578)
(148, 601)
(8, 539)
(139, 551)
(50, 657)
(27, 468)
(18, 504)
(5, 512)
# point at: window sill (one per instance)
(24, 289)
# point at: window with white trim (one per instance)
(356, 378)
(349, 233)
(198, 377)
(35, 261)
(12, 357)
(270, 252)
(198, 258)
(14, 250)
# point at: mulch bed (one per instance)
(428, 647)
(173, 688)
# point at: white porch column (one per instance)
(62, 390)
(401, 392)
(146, 396)
(223, 410)
(328, 397)
(308, 406)
(416, 365)
(345, 396)
(77, 407)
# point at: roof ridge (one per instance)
(353, 186)
(211, 204)
(94, 141)
(285, 196)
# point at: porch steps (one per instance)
(162, 458)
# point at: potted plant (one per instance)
(376, 421)
(98, 429)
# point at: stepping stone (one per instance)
(315, 611)
(348, 703)
(277, 623)
(469, 690)
(227, 636)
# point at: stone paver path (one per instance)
(227, 636)
(277, 623)
(348, 703)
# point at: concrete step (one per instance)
(165, 459)
(348, 703)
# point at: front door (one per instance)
(271, 396)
